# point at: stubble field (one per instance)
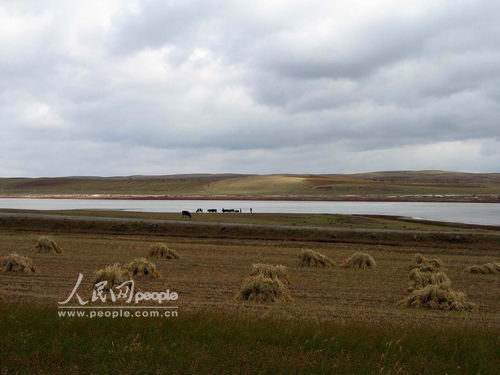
(340, 320)
(210, 271)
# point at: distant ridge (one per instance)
(430, 185)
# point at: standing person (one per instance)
(250, 210)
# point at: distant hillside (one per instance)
(391, 185)
(437, 177)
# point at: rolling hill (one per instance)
(391, 185)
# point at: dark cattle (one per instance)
(186, 213)
(227, 210)
(199, 210)
(212, 210)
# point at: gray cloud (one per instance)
(129, 87)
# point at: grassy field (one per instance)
(423, 185)
(34, 340)
(340, 320)
(298, 220)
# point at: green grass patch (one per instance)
(35, 340)
(290, 219)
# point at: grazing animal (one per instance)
(186, 213)
(212, 210)
(227, 210)
(199, 210)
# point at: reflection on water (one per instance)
(472, 213)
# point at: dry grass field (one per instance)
(340, 320)
(210, 272)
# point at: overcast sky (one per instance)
(110, 87)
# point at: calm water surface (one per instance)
(471, 213)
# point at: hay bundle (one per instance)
(160, 250)
(142, 267)
(419, 279)
(46, 244)
(485, 269)
(16, 263)
(438, 297)
(425, 264)
(431, 289)
(268, 270)
(260, 288)
(311, 258)
(360, 261)
(114, 274)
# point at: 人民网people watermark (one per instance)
(124, 293)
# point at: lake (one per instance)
(470, 213)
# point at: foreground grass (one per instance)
(35, 340)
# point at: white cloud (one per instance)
(238, 86)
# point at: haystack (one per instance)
(438, 297)
(260, 288)
(311, 258)
(46, 244)
(268, 270)
(359, 260)
(485, 269)
(425, 264)
(114, 274)
(162, 251)
(16, 263)
(419, 279)
(142, 267)
(431, 289)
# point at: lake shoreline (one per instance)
(451, 198)
(57, 222)
(120, 214)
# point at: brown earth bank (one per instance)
(393, 231)
(215, 258)
(493, 198)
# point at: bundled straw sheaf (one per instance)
(16, 263)
(485, 269)
(419, 279)
(114, 274)
(162, 251)
(260, 288)
(425, 264)
(47, 245)
(268, 270)
(142, 267)
(359, 260)
(431, 289)
(438, 297)
(311, 258)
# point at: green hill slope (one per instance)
(394, 185)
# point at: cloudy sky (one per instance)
(162, 86)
